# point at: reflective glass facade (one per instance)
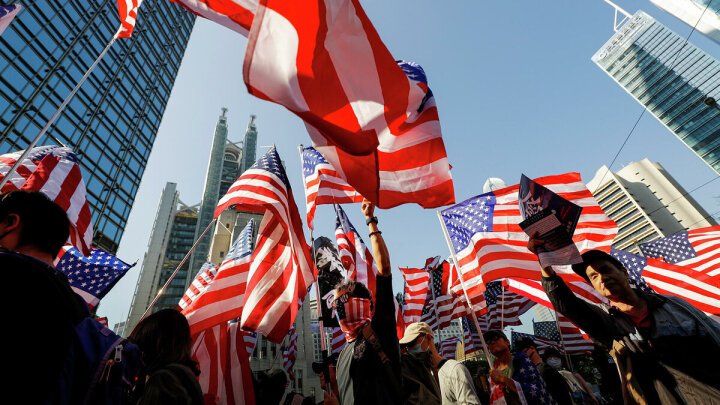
(112, 121)
(180, 240)
(671, 78)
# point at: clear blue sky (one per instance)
(516, 91)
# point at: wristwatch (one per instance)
(370, 220)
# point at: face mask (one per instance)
(352, 314)
(555, 363)
(417, 348)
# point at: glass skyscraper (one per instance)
(671, 78)
(112, 121)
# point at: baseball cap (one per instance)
(592, 256)
(414, 330)
(493, 334)
(523, 343)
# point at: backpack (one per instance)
(101, 367)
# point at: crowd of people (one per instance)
(661, 349)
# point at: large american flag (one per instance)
(290, 354)
(234, 14)
(471, 337)
(374, 119)
(695, 287)
(354, 254)
(635, 264)
(128, 16)
(533, 290)
(417, 284)
(448, 347)
(490, 245)
(53, 170)
(338, 340)
(504, 307)
(281, 267)
(223, 298)
(323, 185)
(225, 375)
(90, 277)
(698, 249)
(206, 275)
(572, 338)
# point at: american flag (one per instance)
(490, 245)
(571, 335)
(323, 185)
(417, 283)
(695, 287)
(541, 342)
(90, 277)
(448, 347)
(234, 14)
(533, 290)
(250, 340)
(103, 321)
(128, 15)
(447, 305)
(224, 297)
(372, 118)
(225, 375)
(206, 274)
(290, 354)
(472, 340)
(354, 254)
(635, 265)
(281, 267)
(698, 249)
(338, 340)
(7, 14)
(504, 307)
(53, 170)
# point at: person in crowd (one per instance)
(609, 380)
(368, 368)
(170, 373)
(482, 385)
(665, 349)
(327, 371)
(270, 387)
(420, 361)
(515, 375)
(33, 229)
(580, 391)
(555, 383)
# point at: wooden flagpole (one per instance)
(462, 284)
(65, 102)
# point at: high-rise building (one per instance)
(224, 167)
(172, 237)
(672, 78)
(702, 15)
(543, 313)
(646, 202)
(112, 121)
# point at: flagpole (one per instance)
(462, 284)
(562, 341)
(65, 102)
(323, 344)
(278, 352)
(502, 314)
(172, 276)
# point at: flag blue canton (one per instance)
(40, 152)
(95, 274)
(243, 244)
(493, 291)
(342, 222)
(270, 162)
(7, 9)
(635, 265)
(547, 330)
(468, 218)
(672, 249)
(311, 158)
(206, 266)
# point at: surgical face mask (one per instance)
(555, 363)
(417, 348)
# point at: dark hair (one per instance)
(164, 338)
(270, 387)
(44, 224)
(593, 256)
(551, 351)
(163, 387)
(357, 289)
(524, 343)
(493, 334)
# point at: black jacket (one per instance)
(419, 383)
(360, 374)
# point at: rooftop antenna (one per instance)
(618, 9)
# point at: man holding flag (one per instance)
(666, 350)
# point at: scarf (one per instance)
(352, 314)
